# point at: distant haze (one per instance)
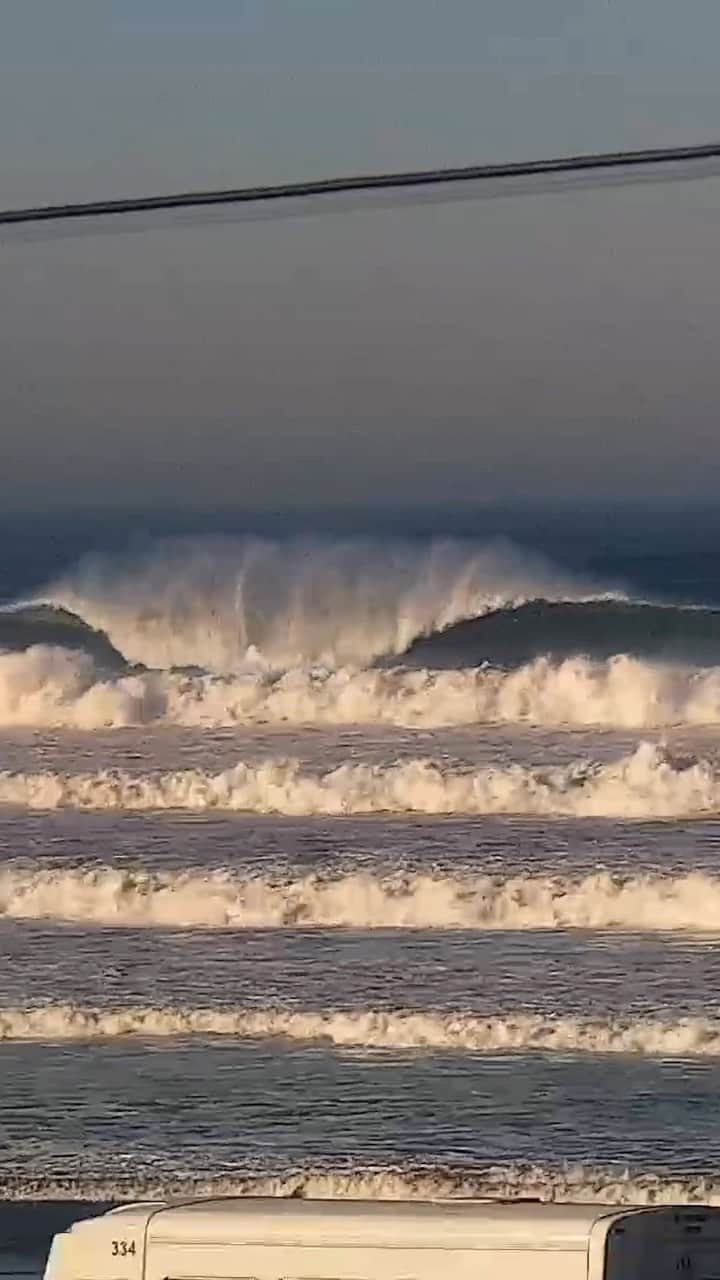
(562, 344)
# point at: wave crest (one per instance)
(646, 784)
(584, 1183)
(392, 1029)
(220, 899)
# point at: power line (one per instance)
(367, 182)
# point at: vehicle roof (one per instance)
(469, 1224)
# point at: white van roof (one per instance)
(471, 1224)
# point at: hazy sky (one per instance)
(561, 343)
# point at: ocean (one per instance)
(362, 860)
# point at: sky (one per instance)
(560, 343)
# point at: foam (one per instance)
(375, 1029)
(223, 899)
(646, 784)
(577, 1183)
(51, 687)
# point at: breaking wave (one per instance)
(648, 783)
(220, 899)
(54, 688)
(376, 1029)
(216, 632)
(508, 1182)
(25, 627)
(600, 629)
(216, 603)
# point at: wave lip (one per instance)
(647, 784)
(221, 899)
(376, 1029)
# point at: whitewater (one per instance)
(593, 1184)
(649, 783)
(375, 1029)
(359, 867)
(221, 899)
(51, 687)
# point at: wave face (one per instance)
(56, 688)
(107, 896)
(647, 784)
(599, 629)
(583, 1183)
(25, 627)
(217, 603)
(400, 1029)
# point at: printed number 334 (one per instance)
(123, 1248)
